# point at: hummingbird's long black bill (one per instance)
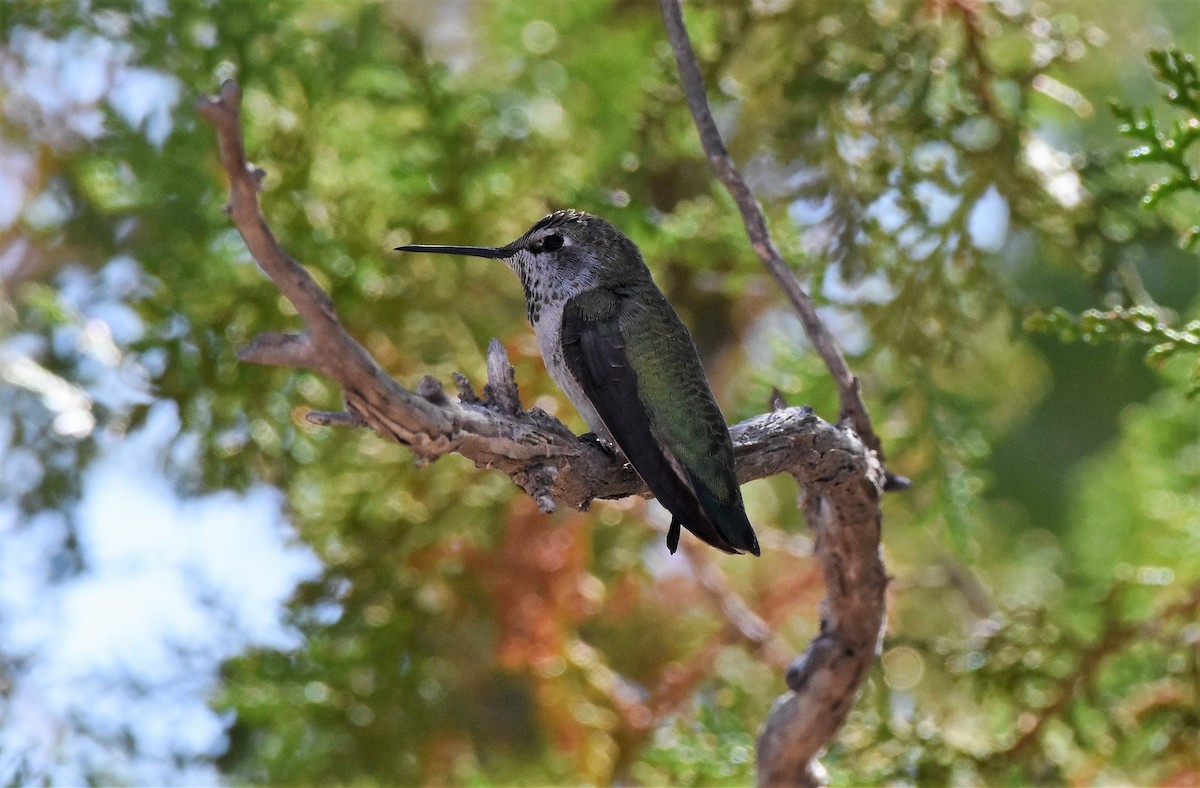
(491, 252)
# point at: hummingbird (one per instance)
(626, 361)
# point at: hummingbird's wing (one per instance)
(698, 486)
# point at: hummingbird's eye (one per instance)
(552, 242)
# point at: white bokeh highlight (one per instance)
(115, 663)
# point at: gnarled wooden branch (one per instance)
(841, 503)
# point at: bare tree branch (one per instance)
(843, 507)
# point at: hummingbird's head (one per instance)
(561, 256)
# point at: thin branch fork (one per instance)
(844, 511)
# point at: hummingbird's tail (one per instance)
(717, 521)
(722, 524)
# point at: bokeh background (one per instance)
(196, 586)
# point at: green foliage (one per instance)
(1100, 696)
(1167, 145)
(714, 747)
(1150, 521)
(1139, 324)
(1162, 145)
(934, 171)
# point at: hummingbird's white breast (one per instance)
(548, 328)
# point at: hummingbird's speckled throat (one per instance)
(539, 291)
(626, 361)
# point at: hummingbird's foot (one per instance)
(599, 443)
